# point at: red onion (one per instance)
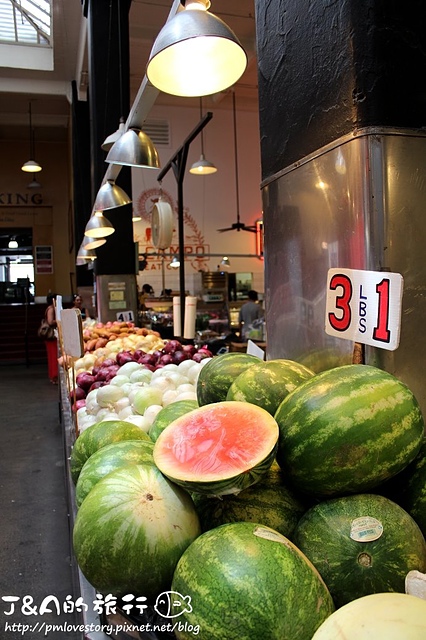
(97, 384)
(171, 346)
(180, 356)
(80, 394)
(123, 357)
(85, 380)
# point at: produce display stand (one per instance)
(138, 627)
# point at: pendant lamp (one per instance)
(98, 226)
(31, 166)
(134, 149)
(202, 167)
(175, 264)
(13, 243)
(195, 54)
(34, 184)
(113, 137)
(92, 243)
(110, 196)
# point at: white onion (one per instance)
(194, 372)
(184, 388)
(145, 397)
(125, 413)
(185, 366)
(119, 380)
(169, 397)
(151, 412)
(121, 404)
(163, 383)
(169, 367)
(128, 368)
(178, 378)
(108, 395)
(141, 375)
(186, 395)
(105, 414)
(140, 421)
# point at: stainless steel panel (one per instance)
(356, 204)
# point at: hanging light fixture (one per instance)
(34, 184)
(202, 167)
(92, 243)
(31, 166)
(98, 226)
(225, 262)
(113, 137)
(110, 196)
(195, 54)
(136, 217)
(175, 264)
(13, 243)
(134, 149)
(84, 256)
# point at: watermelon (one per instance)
(346, 430)
(268, 383)
(218, 449)
(380, 616)
(361, 544)
(408, 488)
(269, 501)
(131, 530)
(97, 436)
(219, 373)
(247, 581)
(168, 414)
(109, 458)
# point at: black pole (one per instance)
(178, 163)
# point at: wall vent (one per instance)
(158, 131)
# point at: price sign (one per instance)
(364, 306)
(125, 316)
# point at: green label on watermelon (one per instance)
(366, 529)
(270, 534)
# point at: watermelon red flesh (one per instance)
(218, 449)
(248, 582)
(131, 530)
(346, 430)
(109, 458)
(269, 501)
(99, 435)
(219, 373)
(168, 414)
(266, 384)
(351, 568)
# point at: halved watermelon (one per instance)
(218, 449)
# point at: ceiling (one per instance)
(49, 91)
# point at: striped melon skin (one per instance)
(352, 568)
(131, 530)
(168, 414)
(266, 384)
(269, 501)
(99, 435)
(109, 458)
(219, 449)
(219, 373)
(247, 582)
(346, 430)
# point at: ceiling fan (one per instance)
(237, 226)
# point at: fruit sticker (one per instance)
(366, 529)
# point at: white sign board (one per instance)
(125, 316)
(72, 332)
(364, 306)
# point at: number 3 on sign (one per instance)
(364, 306)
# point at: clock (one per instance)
(162, 225)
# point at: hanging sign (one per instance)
(364, 306)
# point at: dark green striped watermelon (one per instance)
(99, 435)
(168, 414)
(219, 373)
(346, 430)
(218, 449)
(109, 458)
(248, 582)
(269, 501)
(268, 383)
(131, 530)
(408, 488)
(361, 544)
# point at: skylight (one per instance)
(26, 22)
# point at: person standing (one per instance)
(77, 304)
(51, 343)
(249, 312)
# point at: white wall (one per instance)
(209, 201)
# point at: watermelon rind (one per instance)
(109, 458)
(269, 501)
(98, 435)
(380, 616)
(168, 414)
(361, 544)
(266, 384)
(347, 430)
(219, 449)
(247, 581)
(131, 530)
(219, 373)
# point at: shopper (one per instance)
(51, 343)
(77, 304)
(147, 292)
(249, 312)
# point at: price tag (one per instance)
(125, 316)
(364, 306)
